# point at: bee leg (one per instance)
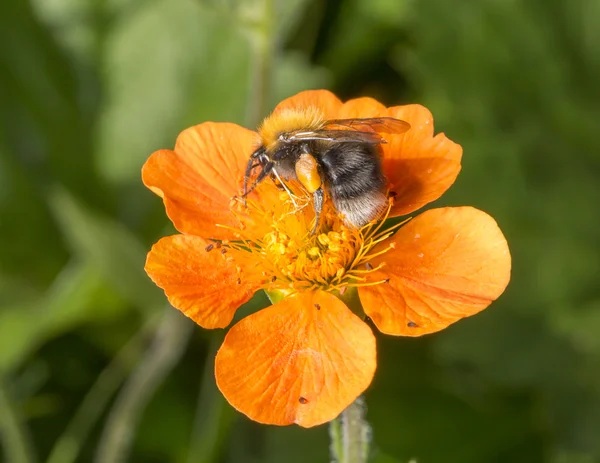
(318, 198)
(267, 168)
(279, 186)
(257, 159)
(282, 183)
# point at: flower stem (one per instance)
(68, 446)
(167, 347)
(214, 416)
(262, 42)
(350, 434)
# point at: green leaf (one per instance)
(77, 295)
(170, 65)
(109, 247)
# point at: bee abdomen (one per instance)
(361, 210)
(355, 182)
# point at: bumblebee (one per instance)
(339, 156)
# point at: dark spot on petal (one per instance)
(412, 325)
(387, 280)
(223, 251)
(369, 266)
(302, 400)
(239, 281)
(209, 247)
(218, 245)
(393, 194)
(273, 279)
(318, 306)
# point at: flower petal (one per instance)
(447, 264)
(361, 108)
(419, 166)
(302, 360)
(202, 284)
(198, 179)
(326, 101)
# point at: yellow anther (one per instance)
(334, 236)
(314, 251)
(323, 239)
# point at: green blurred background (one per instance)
(95, 367)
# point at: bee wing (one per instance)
(372, 124)
(341, 136)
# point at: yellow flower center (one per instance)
(289, 258)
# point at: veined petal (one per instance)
(302, 360)
(447, 264)
(199, 178)
(204, 285)
(324, 100)
(419, 166)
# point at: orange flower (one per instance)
(308, 356)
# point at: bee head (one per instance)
(259, 159)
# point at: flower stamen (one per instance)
(292, 258)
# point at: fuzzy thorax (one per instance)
(289, 120)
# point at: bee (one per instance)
(339, 156)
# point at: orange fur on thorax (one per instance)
(289, 120)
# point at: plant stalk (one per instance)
(350, 434)
(13, 434)
(262, 41)
(167, 347)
